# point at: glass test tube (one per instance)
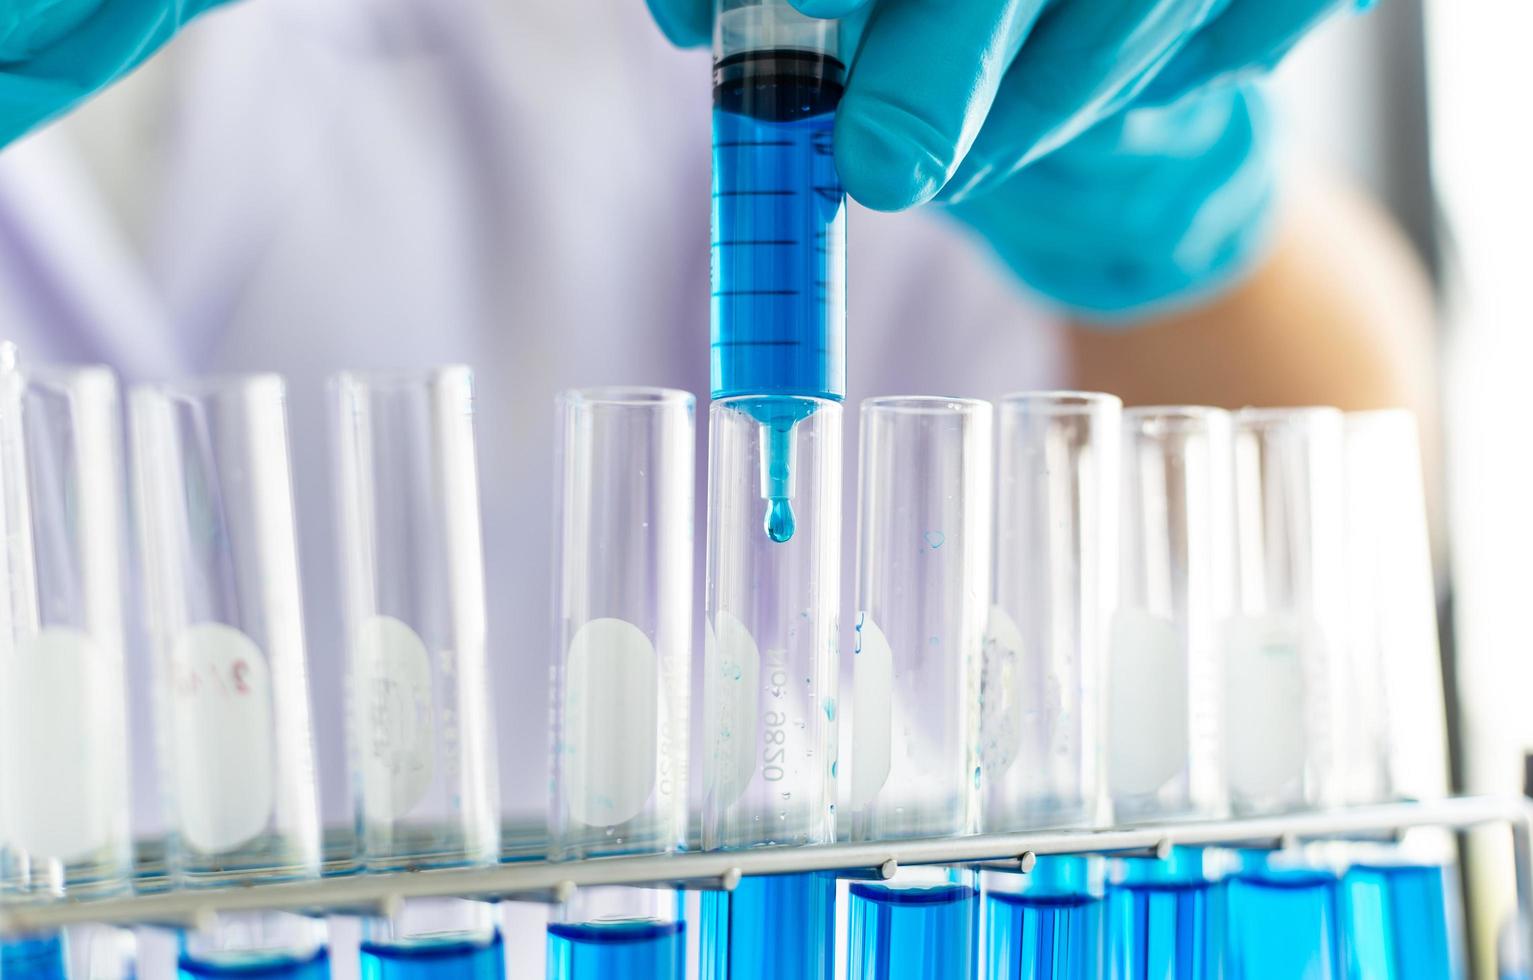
(1047, 923)
(423, 736)
(769, 690)
(1175, 595)
(623, 543)
(1055, 589)
(63, 735)
(923, 577)
(1165, 683)
(1286, 683)
(1045, 650)
(1400, 920)
(224, 614)
(1285, 669)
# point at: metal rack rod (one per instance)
(544, 881)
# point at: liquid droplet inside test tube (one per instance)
(779, 519)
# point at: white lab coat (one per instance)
(393, 183)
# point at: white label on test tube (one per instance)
(221, 724)
(1265, 715)
(1147, 700)
(60, 758)
(872, 731)
(610, 721)
(733, 665)
(1000, 708)
(394, 705)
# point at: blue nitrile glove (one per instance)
(54, 53)
(954, 96)
(1105, 148)
(1155, 207)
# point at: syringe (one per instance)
(779, 229)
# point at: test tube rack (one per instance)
(345, 890)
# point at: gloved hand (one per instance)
(1156, 207)
(54, 53)
(954, 97)
(1105, 148)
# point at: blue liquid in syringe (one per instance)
(440, 959)
(637, 948)
(779, 250)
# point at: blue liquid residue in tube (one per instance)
(1284, 925)
(639, 948)
(779, 250)
(913, 933)
(770, 928)
(42, 957)
(438, 959)
(258, 966)
(1397, 923)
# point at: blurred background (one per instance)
(1408, 101)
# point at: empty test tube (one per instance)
(1285, 665)
(1055, 590)
(769, 692)
(423, 737)
(225, 620)
(623, 629)
(63, 735)
(1176, 593)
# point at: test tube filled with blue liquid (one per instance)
(1044, 653)
(623, 619)
(923, 569)
(1046, 924)
(1164, 684)
(422, 729)
(1400, 921)
(1286, 684)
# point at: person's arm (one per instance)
(1340, 312)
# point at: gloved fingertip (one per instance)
(685, 23)
(888, 159)
(829, 9)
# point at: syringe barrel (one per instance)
(766, 25)
(779, 212)
(769, 691)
